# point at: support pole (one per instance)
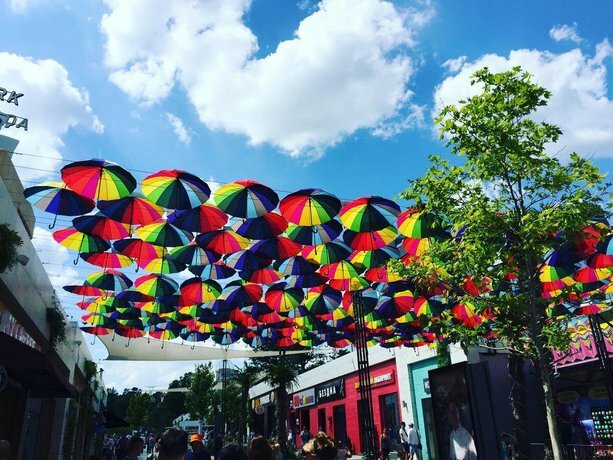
(224, 371)
(603, 355)
(370, 447)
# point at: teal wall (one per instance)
(419, 372)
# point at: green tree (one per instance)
(511, 203)
(246, 378)
(136, 414)
(9, 242)
(200, 400)
(174, 402)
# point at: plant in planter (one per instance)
(9, 242)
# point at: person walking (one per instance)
(414, 443)
(198, 451)
(135, 448)
(173, 444)
(386, 444)
(404, 441)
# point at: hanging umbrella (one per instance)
(317, 234)
(257, 309)
(84, 290)
(105, 260)
(548, 273)
(465, 313)
(246, 260)
(96, 330)
(369, 214)
(204, 218)
(165, 264)
(73, 239)
(308, 207)
(397, 305)
(98, 179)
(427, 307)
(591, 308)
(138, 249)
(349, 284)
(338, 318)
(322, 300)
(342, 270)
(132, 210)
(99, 321)
(263, 276)
(282, 298)
(156, 285)
(379, 274)
(133, 295)
(326, 253)
(192, 254)
(109, 280)
(415, 224)
(368, 296)
(277, 248)
(175, 189)
(157, 307)
(307, 280)
(369, 241)
(376, 258)
(245, 198)
(241, 293)
(415, 247)
(222, 241)
(198, 291)
(165, 234)
(260, 228)
(55, 198)
(600, 261)
(588, 274)
(213, 271)
(101, 226)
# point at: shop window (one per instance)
(321, 420)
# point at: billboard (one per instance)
(455, 425)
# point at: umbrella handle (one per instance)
(193, 345)
(137, 267)
(148, 339)
(93, 341)
(162, 345)
(113, 339)
(54, 220)
(76, 261)
(127, 344)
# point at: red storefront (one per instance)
(333, 406)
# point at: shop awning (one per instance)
(44, 375)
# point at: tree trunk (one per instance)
(242, 421)
(281, 417)
(518, 405)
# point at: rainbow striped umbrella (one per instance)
(138, 249)
(326, 253)
(399, 304)
(213, 271)
(165, 264)
(349, 284)
(265, 276)
(415, 247)
(369, 214)
(198, 291)
(321, 300)
(297, 265)
(306, 280)
(192, 254)
(427, 307)
(108, 259)
(246, 198)
(175, 189)
(415, 224)
(99, 320)
(376, 258)
(465, 313)
(155, 285)
(101, 226)
(98, 179)
(132, 295)
(600, 261)
(242, 293)
(73, 239)
(588, 274)
(308, 207)
(222, 241)
(165, 234)
(339, 270)
(204, 218)
(109, 280)
(317, 234)
(246, 260)
(548, 273)
(259, 228)
(277, 248)
(84, 290)
(283, 299)
(369, 298)
(55, 198)
(132, 210)
(369, 241)
(380, 274)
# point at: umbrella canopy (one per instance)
(109, 259)
(369, 241)
(317, 234)
(109, 280)
(101, 226)
(213, 271)
(308, 207)
(327, 253)
(260, 228)
(246, 260)
(156, 285)
(164, 233)
(282, 298)
(84, 290)
(73, 239)
(322, 300)
(277, 248)
(198, 291)
(246, 198)
(415, 224)
(376, 258)
(369, 214)
(131, 210)
(175, 189)
(138, 249)
(98, 179)
(241, 293)
(297, 265)
(342, 270)
(165, 264)
(192, 254)
(222, 241)
(57, 199)
(397, 305)
(265, 276)
(203, 218)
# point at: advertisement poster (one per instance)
(455, 427)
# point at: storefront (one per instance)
(422, 405)
(264, 414)
(334, 406)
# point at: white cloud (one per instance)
(346, 68)
(179, 128)
(579, 105)
(52, 105)
(454, 65)
(21, 6)
(565, 32)
(143, 374)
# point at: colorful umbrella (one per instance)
(246, 260)
(245, 198)
(376, 258)
(165, 264)
(197, 290)
(369, 214)
(415, 247)
(349, 284)
(397, 305)
(132, 295)
(204, 218)
(307, 280)
(164, 233)
(175, 189)
(308, 207)
(465, 313)
(368, 297)
(98, 179)
(322, 300)
(109, 280)
(101, 226)
(326, 253)
(415, 224)
(138, 249)
(131, 210)
(99, 321)
(342, 270)
(427, 307)
(297, 265)
(222, 241)
(241, 293)
(369, 241)
(73, 239)
(265, 276)
(282, 298)
(84, 290)
(57, 199)
(260, 228)
(192, 254)
(317, 234)
(156, 285)
(213, 271)
(379, 274)
(277, 248)
(106, 259)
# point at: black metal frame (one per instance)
(370, 448)
(603, 355)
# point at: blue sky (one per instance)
(293, 93)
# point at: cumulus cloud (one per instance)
(580, 104)
(52, 105)
(346, 68)
(565, 32)
(179, 128)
